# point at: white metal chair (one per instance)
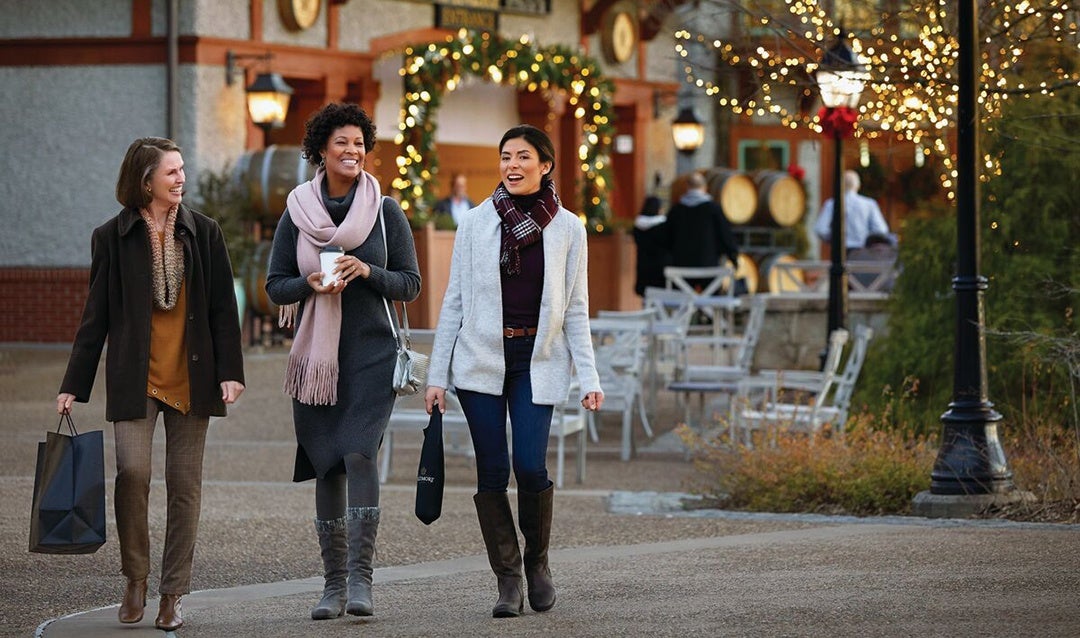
(815, 393)
(702, 379)
(619, 347)
(674, 309)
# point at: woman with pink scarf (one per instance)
(342, 357)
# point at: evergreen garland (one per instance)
(432, 69)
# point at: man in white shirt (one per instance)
(458, 202)
(862, 216)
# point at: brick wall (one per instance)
(42, 305)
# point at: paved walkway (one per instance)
(829, 579)
(626, 560)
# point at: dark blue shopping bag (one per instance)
(430, 474)
(68, 515)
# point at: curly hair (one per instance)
(325, 121)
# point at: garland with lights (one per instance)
(432, 69)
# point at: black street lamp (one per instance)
(970, 470)
(840, 77)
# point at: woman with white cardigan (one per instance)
(514, 319)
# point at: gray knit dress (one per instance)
(325, 434)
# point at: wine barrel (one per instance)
(255, 281)
(781, 199)
(735, 191)
(770, 276)
(269, 175)
(748, 270)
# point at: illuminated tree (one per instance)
(766, 52)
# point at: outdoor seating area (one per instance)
(678, 351)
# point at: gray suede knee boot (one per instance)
(504, 554)
(334, 548)
(363, 524)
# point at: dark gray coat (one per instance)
(119, 307)
(356, 424)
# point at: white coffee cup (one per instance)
(327, 256)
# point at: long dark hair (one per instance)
(538, 140)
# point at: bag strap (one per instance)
(66, 416)
(403, 336)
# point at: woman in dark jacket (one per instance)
(342, 359)
(161, 292)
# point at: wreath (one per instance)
(432, 69)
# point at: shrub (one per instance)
(867, 471)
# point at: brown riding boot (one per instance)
(131, 608)
(169, 613)
(534, 518)
(504, 554)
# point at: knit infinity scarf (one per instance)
(166, 260)
(521, 229)
(311, 374)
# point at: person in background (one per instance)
(341, 364)
(880, 250)
(862, 216)
(514, 323)
(652, 251)
(458, 202)
(697, 232)
(161, 293)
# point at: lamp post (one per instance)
(970, 471)
(840, 77)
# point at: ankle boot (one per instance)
(169, 613)
(334, 547)
(500, 539)
(131, 608)
(534, 517)
(363, 523)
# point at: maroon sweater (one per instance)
(521, 293)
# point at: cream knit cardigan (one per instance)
(468, 348)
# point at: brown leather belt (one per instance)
(510, 333)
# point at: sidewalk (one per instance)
(625, 564)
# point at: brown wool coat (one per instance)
(119, 307)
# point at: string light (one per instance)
(912, 56)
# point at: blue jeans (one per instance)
(530, 423)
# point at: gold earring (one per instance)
(149, 190)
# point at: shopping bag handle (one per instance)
(66, 416)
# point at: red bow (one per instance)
(838, 121)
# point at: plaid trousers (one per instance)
(185, 441)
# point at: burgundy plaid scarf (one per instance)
(522, 229)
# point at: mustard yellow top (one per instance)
(168, 378)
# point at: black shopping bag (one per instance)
(430, 475)
(68, 515)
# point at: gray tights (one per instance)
(360, 482)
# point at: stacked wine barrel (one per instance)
(765, 202)
(270, 175)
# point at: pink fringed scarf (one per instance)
(312, 372)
